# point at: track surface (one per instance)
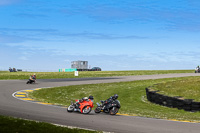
(11, 106)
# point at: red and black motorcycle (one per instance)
(84, 106)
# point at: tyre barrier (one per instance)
(172, 102)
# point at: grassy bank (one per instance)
(5, 75)
(132, 96)
(15, 125)
(188, 88)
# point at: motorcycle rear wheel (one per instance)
(86, 110)
(114, 111)
(70, 108)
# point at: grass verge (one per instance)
(5, 75)
(132, 96)
(188, 88)
(15, 125)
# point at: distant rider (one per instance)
(109, 100)
(197, 69)
(32, 78)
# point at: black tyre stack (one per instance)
(173, 102)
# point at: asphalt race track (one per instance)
(11, 106)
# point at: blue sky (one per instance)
(112, 34)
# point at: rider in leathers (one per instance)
(109, 100)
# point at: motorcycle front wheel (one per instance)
(114, 111)
(97, 110)
(86, 110)
(70, 108)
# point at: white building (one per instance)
(79, 64)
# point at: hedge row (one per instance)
(173, 102)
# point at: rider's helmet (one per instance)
(115, 96)
(91, 97)
(85, 98)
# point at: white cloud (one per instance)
(11, 39)
(67, 60)
(23, 58)
(8, 2)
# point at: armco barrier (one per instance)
(173, 102)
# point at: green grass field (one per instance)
(132, 96)
(5, 75)
(15, 125)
